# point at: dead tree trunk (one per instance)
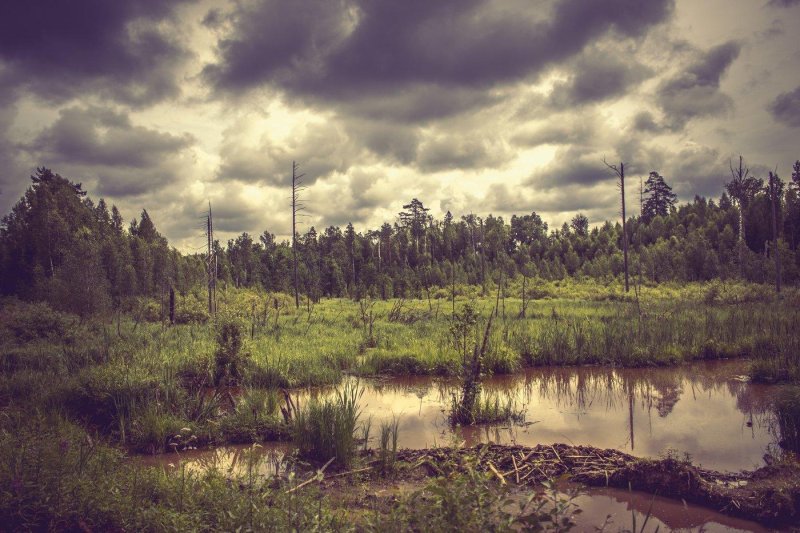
(171, 306)
(211, 266)
(620, 172)
(739, 176)
(297, 206)
(773, 193)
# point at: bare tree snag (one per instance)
(773, 193)
(620, 172)
(297, 206)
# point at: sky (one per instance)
(472, 106)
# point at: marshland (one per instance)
(375, 265)
(269, 414)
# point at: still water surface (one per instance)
(706, 410)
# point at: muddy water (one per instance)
(703, 410)
(235, 460)
(617, 508)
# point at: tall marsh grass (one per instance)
(326, 429)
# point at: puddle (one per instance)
(616, 508)
(239, 460)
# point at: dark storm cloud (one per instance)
(695, 92)
(463, 151)
(60, 49)
(644, 121)
(103, 145)
(598, 76)
(103, 136)
(785, 108)
(570, 166)
(348, 50)
(784, 3)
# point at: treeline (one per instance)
(696, 241)
(57, 245)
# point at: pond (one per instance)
(707, 411)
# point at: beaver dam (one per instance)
(699, 434)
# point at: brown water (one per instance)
(616, 508)
(704, 410)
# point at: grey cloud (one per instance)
(644, 121)
(351, 49)
(59, 50)
(784, 3)
(395, 143)
(785, 108)
(558, 130)
(460, 151)
(103, 136)
(418, 103)
(598, 75)
(568, 198)
(695, 169)
(695, 91)
(103, 145)
(570, 166)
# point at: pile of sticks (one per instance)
(524, 465)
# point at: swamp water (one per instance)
(706, 410)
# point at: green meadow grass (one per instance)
(137, 381)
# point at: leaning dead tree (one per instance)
(297, 206)
(620, 172)
(211, 264)
(776, 252)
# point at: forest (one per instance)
(57, 245)
(437, 375)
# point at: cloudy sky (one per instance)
(484, 106)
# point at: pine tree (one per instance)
(660, 198)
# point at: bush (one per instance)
(229, 358)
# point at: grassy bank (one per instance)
(140, 382)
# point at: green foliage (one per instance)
(229, 358)
(387, 445)
(465, 499)
(787, 409)
(55, 477)
(326, 429)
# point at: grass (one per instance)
(135, 381)
(787, 409)
(326, 429)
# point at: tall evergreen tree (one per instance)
(660, 198)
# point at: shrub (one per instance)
(229, 357)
